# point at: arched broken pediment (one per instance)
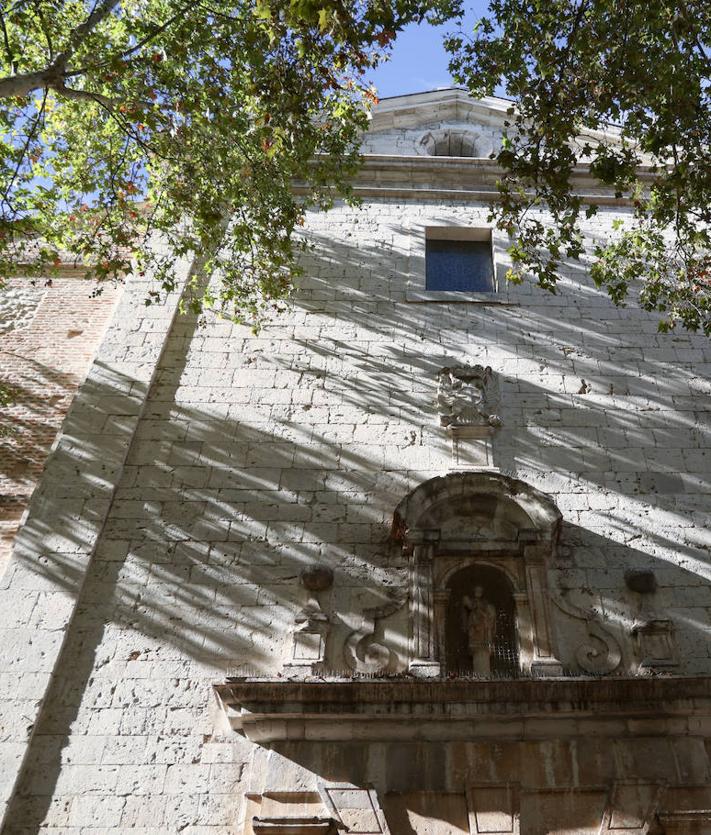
(499, 506)
(475, 527)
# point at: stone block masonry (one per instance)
(206, 467)
(255, 455)
(42, 584)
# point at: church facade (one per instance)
(429, 555)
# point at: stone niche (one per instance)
(455, 142)
(478, 545)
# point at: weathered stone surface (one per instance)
(202, 469)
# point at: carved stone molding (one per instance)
(424, 661)
(266, 710)
(361, 651)
(294, 826)
(472, 447)
(633, 807)
(655, 645)
(531, 514)
(494, 809)
(356, 809)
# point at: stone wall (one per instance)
(42, 588)
(256, 455)
(48, 338)
(204, 468)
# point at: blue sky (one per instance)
(419, 61)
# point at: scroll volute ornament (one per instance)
(600, 653)
(362, 652)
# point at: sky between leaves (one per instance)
(418, 61)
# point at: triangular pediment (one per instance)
(448, 123)
(449, 120)
(451, 105)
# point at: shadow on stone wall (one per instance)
(229, 492)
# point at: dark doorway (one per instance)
(495, 590)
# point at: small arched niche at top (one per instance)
(450, 143)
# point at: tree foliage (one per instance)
(575, 67)
(124, 122)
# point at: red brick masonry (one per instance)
(48, 337)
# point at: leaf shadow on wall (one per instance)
(257, 456)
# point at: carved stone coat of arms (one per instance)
(466, 396)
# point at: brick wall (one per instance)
(48, 336)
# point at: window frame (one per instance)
(416, 290)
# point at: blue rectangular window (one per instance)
(458, 265)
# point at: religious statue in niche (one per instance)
(466, 396)
(479, 620)
(478, 634)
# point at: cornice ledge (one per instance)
(458, 178)
(469, 164)
(269, 710)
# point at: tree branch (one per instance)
(143, 42)
(126, 129)
(70, 93)
(45, 30)
(79, 35)
(28, 141)
(158, 30)
(8, 49)
(23, 84)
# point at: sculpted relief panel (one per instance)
(467, 405)
(467, 396)
(477, 601)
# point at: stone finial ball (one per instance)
(317, 577)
